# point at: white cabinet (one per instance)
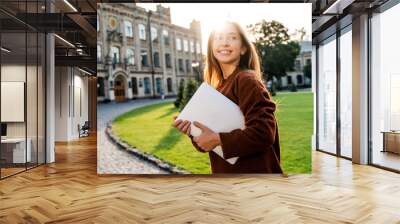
(18, 146)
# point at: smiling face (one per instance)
(227, 46)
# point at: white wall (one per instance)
(71, 94)
(80, 93)
(12, 73)
(61, 103)
(33, 126)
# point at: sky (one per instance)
(292, 15)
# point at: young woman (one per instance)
(233, 68)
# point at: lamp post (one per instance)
(151, 51)
(195, 66)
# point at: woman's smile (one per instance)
(224, 52)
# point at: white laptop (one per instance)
(214, 110)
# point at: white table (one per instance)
(19, 149)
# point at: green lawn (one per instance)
(149, 129)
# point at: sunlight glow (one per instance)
(292, 15)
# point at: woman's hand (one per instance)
(208, 139)
(182, 126)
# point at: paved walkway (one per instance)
(111, 159)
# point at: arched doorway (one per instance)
(119, 88)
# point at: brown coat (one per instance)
(257, 146)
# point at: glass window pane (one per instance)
(41, 99)
(178, 44)
(115, 54)
(156, 59)
(142, 32)
(327, 96)
(31, 98)
(154, 34)
(158, 85)
(166, 37)
(191, 46)
(23, 90)
(385, 84)
(13, 85)
(130, 57)
(185, 46)
(143, 55)
(147, 85)
(346, 94)
(128, 29)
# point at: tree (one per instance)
(190, 89)
(277, 51)
(179, 96)
(269, 33)
(300, 34)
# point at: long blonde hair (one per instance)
(248, 61)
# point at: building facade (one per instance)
(297, 76)
(140, 53)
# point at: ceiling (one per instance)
(330, 13)
(72, 20)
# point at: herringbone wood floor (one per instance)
(70, 191)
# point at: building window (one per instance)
(185, 46)
(147, 85)
(191, 46)
(198, 50)
(130, 56)
(156, 58)
(166, 37)
(154, 34)
(299, 80)
(134, 86)
(168, 60)
(178, 44)
(100, 86)
(297, 65)
(143, 55)
(128, 29)
(115, 54)
(188, 67)
(180, 63)
(142, 32)
(98, 53)
(158, 85)
(169, 85)
(308, 62)
(289, 80)
(98, 23)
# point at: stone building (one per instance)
(297, 77)
(140, 53)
